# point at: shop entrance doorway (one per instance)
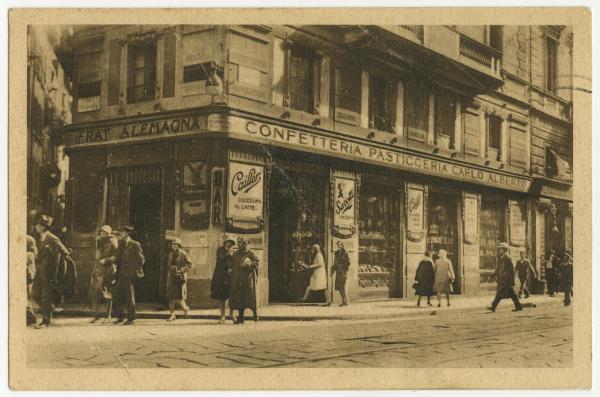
(144, 216)
(296, 222)
(443, 233)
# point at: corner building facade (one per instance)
(392, 139)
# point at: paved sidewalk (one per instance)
(360, 310)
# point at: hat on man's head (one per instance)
(44, 220)
(106, 229)
(503, 245)
(176, 240)
(227, 237)
(127, 229)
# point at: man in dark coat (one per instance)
(244, 273)
(505, 278)
(49, 248)
(130, 262)
(341, 264)
(526, 273)
(566, 277)
(550, 273)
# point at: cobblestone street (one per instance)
(535, 337)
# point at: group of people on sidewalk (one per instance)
(119, 264)
(437, 275)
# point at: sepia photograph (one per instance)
(327, 195)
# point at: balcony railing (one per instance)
(416, 31)
(479, 55)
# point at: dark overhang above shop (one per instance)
(546, 187)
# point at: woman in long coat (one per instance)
(318, 277)
(221, 280)
(444, 277)
(244, 274)
(179, 264)
(424, 279)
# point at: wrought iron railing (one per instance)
(415, 30)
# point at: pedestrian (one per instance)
(318, 277)
(221, 280)
(505, 279)
(244, 274)
(49, 248)
(179, 264)
(130, 261)
(550, 272)
(424, 279)
(31, 272)
(103, 275)
(526, 274)
(567, 277)
(341, 264)
(444, 277)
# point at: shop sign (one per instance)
(193, 194)
(471, 219)
(517, 223)
(415, 214)
(344, 224)
(245, 192)
(216, 211)
(137, 131)
(303, 140)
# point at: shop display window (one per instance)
(492, 225)
(442, 230)
(378, 240)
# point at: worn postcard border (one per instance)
(579, 376)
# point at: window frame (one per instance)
(390, 92)
(550, 62)
(491, 119)
(313, 69)
(149, 52)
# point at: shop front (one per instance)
(287, 190)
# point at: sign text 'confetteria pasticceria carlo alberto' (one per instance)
(338, 146)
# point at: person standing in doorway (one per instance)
(244, 275)
(341, 264)
(221, 280)
(526, 274)
(49, 248)
(424, 279)
(179, 264)
(130, 261)
(103, 275)
(318, 277)
(505, 279)
(444, 277)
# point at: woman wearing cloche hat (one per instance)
(221, 280)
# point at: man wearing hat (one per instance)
(49, 247)
(505, 279)
(103, 276)
(130, 261)
(566, 277)
(179, 264)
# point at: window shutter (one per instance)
(471, 137)
(114, 72)
(347, 96)
(150, 71)
(168, 85)
(517, 145)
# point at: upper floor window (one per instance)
(348, 86)
(141, 65)
(551, 50)
(382, 103)
(445, 117)
(89, 82)
(303, 79)
(416, 110)
(495, 37)
(494, 133)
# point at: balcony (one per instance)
(479, 56)
(413, 32)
